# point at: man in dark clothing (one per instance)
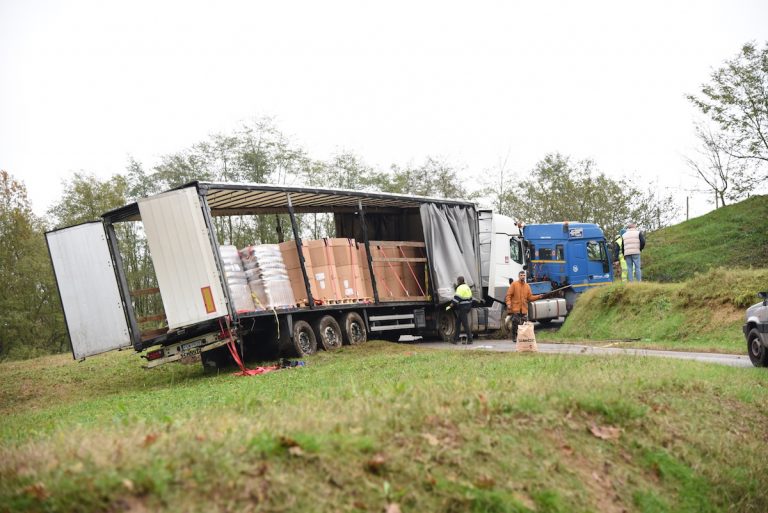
(462, 304)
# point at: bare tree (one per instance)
(718, 167)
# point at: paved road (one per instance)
(575, 349)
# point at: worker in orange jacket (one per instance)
(518, 295)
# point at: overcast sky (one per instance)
(84, 84)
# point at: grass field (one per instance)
(704, 313)
(385, 427)
(731, 237)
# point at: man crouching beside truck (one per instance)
(518, 295)
(462, 303)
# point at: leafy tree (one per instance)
(736, 98)
(435, 177)
(558, 190)
(31, 321)
(86, 198)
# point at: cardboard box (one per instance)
(344, 251)
(365, 273)
(297, 284)
(326, 283)
(291, 255)
(319, 253)
(350, 281)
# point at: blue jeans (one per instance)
(633, 262)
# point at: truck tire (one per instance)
(353, 329)
(328, 333)
(446, 324)
(303, 338)
(758, 354)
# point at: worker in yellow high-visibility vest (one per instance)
(619, 264)
(462, 303)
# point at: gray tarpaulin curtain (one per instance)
(451, 239)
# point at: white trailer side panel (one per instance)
(183, 257)
(88, 288)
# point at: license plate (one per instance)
(191, 345)
(191, 352)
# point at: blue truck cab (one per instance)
(572, 255)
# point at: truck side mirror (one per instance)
(764, 296)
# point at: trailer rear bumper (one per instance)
(189, 347)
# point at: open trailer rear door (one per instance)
(183, 254)
(93, 307)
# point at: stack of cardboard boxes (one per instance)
(333, 267)
(338, 270)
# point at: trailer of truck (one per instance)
(198, 300)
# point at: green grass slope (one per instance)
(732, 237)
(704, 313)
(385, 427)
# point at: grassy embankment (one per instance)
(732, 237)
(704, 313)
(384, 424)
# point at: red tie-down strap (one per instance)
(244, 371)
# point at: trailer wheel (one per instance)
(328, 333)
(353, 329)
(304, 341)
(446, 325)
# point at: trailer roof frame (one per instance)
(226, 199)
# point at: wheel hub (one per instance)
(330, 337)
(304, 342)
(357, 334)
(446, 325)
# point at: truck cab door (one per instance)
(577, 262)
(598, 263)
(94, 310)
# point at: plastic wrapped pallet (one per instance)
(267, 276)
(236, 279)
